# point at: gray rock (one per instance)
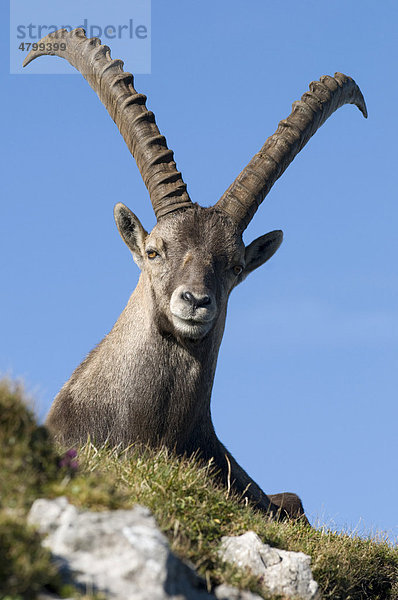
(121, 553)
(285, 573)
(227, 592)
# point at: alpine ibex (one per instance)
(150, 379)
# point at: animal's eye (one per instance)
(152, 254)
(237, 269)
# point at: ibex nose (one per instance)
(195, 300)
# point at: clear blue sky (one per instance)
(305, 395)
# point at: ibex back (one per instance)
(150, 380)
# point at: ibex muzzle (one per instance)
(150, 378)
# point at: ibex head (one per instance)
(194, 256)
(190, 262)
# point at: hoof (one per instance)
(289, 505)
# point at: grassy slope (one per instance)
(192, 511)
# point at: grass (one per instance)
(189, 507)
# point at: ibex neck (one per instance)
(171, 379)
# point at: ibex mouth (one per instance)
(192, 328)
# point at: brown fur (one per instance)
(148, 381)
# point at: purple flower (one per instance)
(68, 460)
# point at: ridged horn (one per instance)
(244, 196)
(137, 125)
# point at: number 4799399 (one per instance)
(49, 46)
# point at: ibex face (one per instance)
(150, 379)
(190, 262)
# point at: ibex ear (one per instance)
(261, 250)
(131, 230)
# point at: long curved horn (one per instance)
(244, 196)
(127, 108)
